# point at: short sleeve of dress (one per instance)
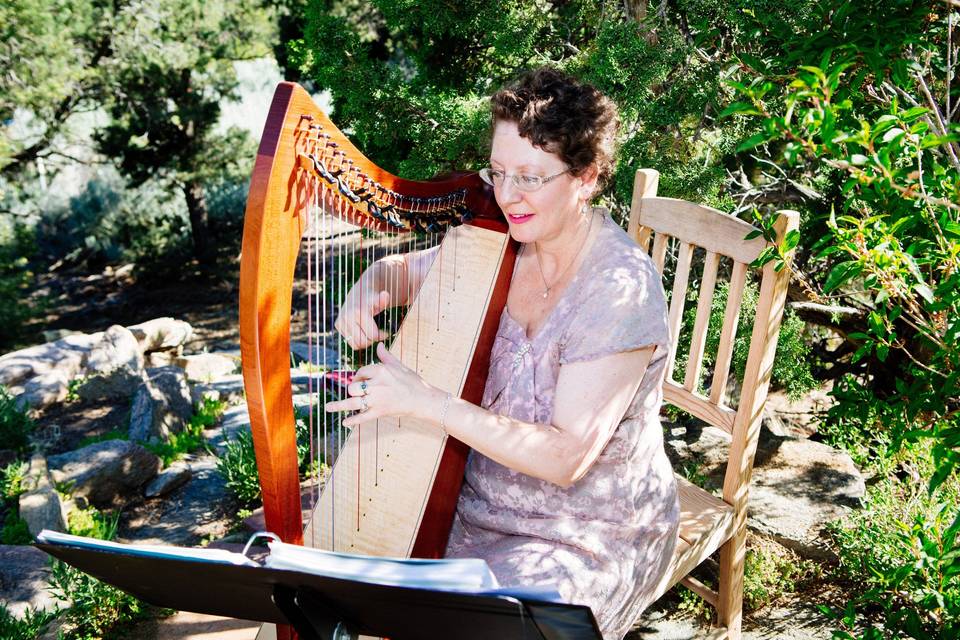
(620, 307)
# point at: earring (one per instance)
(586, 209)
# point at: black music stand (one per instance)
(325, 608)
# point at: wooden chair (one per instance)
(708, 523)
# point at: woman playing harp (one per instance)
(567, 483)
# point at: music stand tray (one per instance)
(327, 608)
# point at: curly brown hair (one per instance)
(561, 115)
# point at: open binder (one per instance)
(354, 595)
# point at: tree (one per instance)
(160, 69)
(50, 51)
(170, 69)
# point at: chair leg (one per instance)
(730, 604)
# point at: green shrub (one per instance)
(773, 572)
(238, 464)
(17, 248)
(11, 480)
(15, 424)
(191, 439)
(901, 553)
(33, 624)
(96, 610)
(791, 366)
(15, 530)
(92, 523)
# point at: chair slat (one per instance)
(728, 332)
(682, 277)
(699, 406)
(704, 304)
(701, 590)
(705, 227)
(644, 186)
(660, 251)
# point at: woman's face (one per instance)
(545, 214)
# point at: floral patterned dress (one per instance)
(606, 540)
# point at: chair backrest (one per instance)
(693, 229)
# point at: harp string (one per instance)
(341, 197)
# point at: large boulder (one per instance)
(207, 367)
(63, 354)
(798, 485)
(40, 505)
(113, 367)
(105, 473)
(45, 389)
(161, 334)
(161, 405)
(171, 478)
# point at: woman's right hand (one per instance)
(355, 321)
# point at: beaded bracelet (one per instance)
(443, 411)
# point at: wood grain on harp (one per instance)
(393, 485)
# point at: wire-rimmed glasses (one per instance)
(522, 181)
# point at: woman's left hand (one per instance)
(388, 388)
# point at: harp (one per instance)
(392, 486)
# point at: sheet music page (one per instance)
(155, 551)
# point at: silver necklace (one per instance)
(548, 287)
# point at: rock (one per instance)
(156, 359)
(228, 388)
(45, 389)
(113, 366)
(201, 509)
(24, 572)
(105, 473)
(161, 405)
(173, 477)
(161, 334)
(40, 505)
(206, 367)
(798, 487)
(319, 355)
(65, 354)
(799, 419)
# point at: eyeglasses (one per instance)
(522, 181)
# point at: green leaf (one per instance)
(756, 233)
(739, 108)
(753, 141)
(882, 352)
(791, 240)
(841, 273)
(933, 140)
(913, 113)
(924, 291)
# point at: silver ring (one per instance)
(363, 405)
(363, 387)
